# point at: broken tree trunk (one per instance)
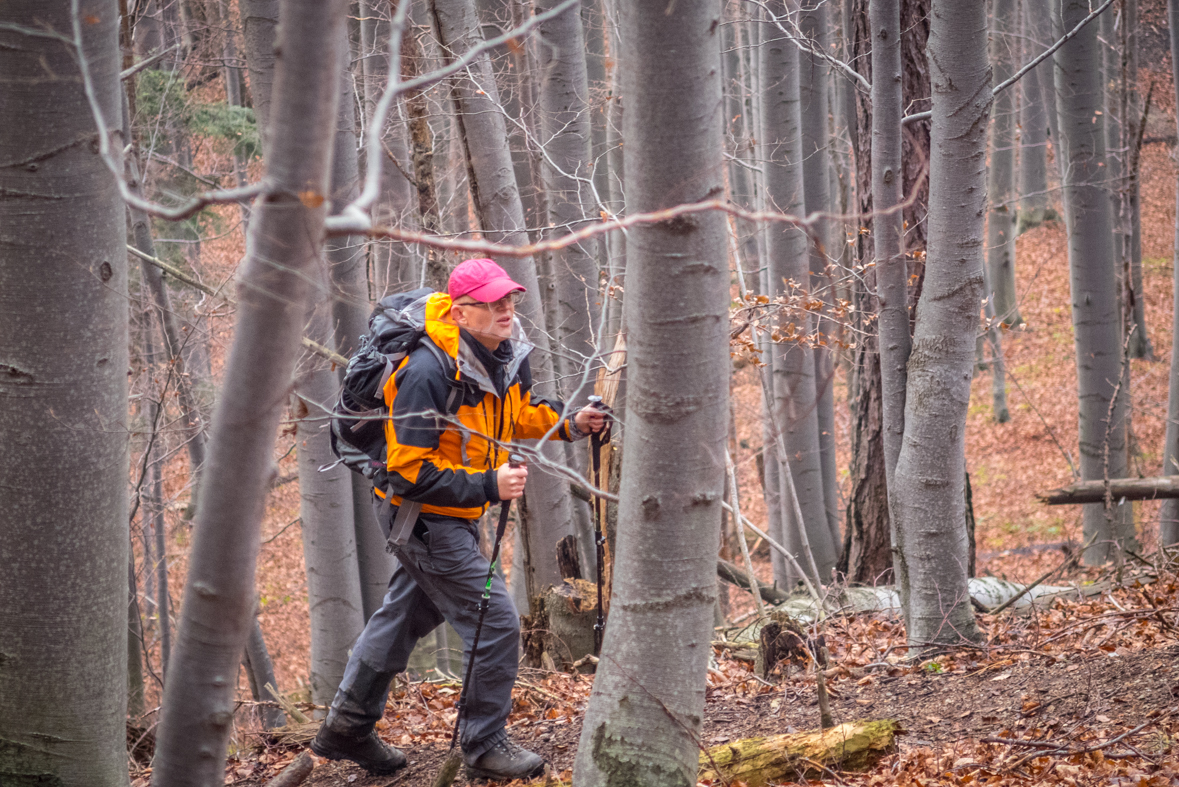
(1163, 488)
(798, 756)
(561, 624)
(735, 576)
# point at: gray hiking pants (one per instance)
(440, 579)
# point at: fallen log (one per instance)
(735, 576)
(853, 746)
(1129, 488)
(294, 774)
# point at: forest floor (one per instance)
(1078, 674)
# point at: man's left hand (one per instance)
(590, 419)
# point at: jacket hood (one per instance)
(445, 334)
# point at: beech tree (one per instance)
(286, 237)
(1092, 277)
(795, 408)
(63, 401)
(928, 501)
(1001, 213)
(643, 719)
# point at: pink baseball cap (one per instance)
(483, 280)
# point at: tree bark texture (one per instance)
(1169, 511)
(795, 399)
(1037, 101)
(566, 129)
(1001, 213)
(644, 716)
(260, 23)
(1092, 278)
(63, 406)
(814, 74)
(928, 499)
(286, 235)
(501, 216)
(892, 275)
(395, 266)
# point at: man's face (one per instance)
(489, 323)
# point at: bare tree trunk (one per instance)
(928, 501)
(1169, 511)
(892, 275)
(1037, 101)
(814, 74)
(285, 243)
(1138, 341)
(396, 266)
(63, 404)
(1093, 278)
(565, 125)
(501, 216)
(655, 655)
(261, 672)
(260, 21)
(795, 405)
(1001, 212)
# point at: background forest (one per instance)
(881, 292)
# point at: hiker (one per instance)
(451, 468)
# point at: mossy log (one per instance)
(854, 746)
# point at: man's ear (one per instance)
(454, 314)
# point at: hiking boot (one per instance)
(368, 751)
(505, 761)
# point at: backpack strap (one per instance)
(402, 527)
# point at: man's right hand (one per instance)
(511, 481)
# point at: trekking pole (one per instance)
(450, 767)
(597, 440)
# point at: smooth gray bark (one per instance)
(927, 501)
(892, 287)
(814, 75)
(1169, 511)
(795, 398)
(260, 32)
(644, 716)
(1138, 341)
(395, 266)
(1037, 100)
(567, 135)
(260, 672)
(63, 406)
(497, 202)
(1001, 213)
(1092, 277)
(286, 237)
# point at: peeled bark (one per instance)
(928, 501)
(285, 244)
(1169, 511)
(655, 654)
(63, 406)
(1092, 278)
(1001, 212)
(501, 216)
(796, 401)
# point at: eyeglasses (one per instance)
(509, 301)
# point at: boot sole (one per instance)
(480, 775)
(377, 769)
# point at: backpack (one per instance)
(396, 328)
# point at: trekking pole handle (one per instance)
(515, 461)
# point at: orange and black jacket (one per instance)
(448, 462)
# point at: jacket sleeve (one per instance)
(537, 415)
(418, 470)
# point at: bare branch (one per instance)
(148, 63)
(1047, 53)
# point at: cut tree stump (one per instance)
(854, 746)
(1128, 488)
(561, 625)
